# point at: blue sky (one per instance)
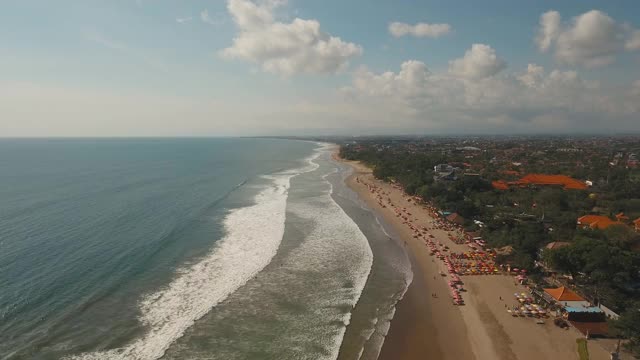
(159, 67)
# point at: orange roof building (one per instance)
(596, 222)
(541, 179)
(500, 185)
(563, 294)
(636, 222)
(566, 182)
(622, 217)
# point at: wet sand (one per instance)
(431, 328)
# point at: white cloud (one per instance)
(591, 39)
(207, 19)
(533, 76)
(285, 48)
(549, 29)
(633, 43)
(533, 100)
(479, 62)
(184, 20)
(399, 29)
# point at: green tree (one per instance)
(629, 327)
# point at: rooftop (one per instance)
(597, 221)
(563, 294)
(556, 245)
(567, 183)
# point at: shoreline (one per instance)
(413, 333)
(427, 327)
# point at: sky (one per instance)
(305, 67)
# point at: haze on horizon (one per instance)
(302, 67)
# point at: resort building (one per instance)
(589, 320)
(562, 181)
(567, 298)
(596, 222)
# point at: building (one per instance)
(596, 222)
(443, 168)
(567, 298)
(561, 181)
(636, 224)
(557, 245)
(622, 217)
(444, 172)
(589, 320)
(500, 185)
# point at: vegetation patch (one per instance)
(583, 352)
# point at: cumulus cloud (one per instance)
(530, 100)
(591, 39)
(548, 29)
(399, 29)
(633, 43)
(285, 48)
(479, 62)
(532, 76)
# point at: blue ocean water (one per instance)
(185, 248)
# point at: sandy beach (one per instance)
(428, 326)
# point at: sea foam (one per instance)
(338, 253)
(253, 236)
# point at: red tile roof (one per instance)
(500, 185)
(563, 294)
(597, 221)
(621, 216)
(566, 182)
(542, 179)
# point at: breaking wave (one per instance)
(253, 236)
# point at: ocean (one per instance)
(189, 249)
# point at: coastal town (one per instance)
(535, 241)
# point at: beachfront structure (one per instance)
(596, 222)
(588, 319)
(567, 298)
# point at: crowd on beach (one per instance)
(477, 260)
